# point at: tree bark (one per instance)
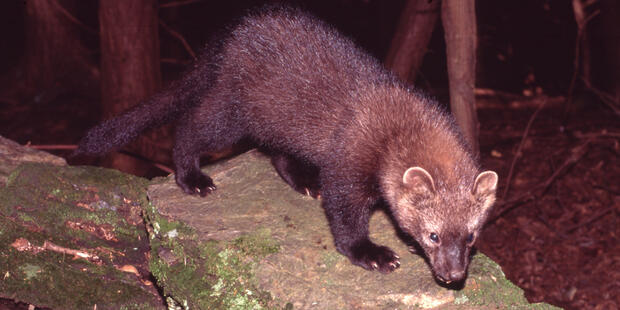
(410, 41)
(54, 56)
(459, 22)
(610, 17)
(131, 72)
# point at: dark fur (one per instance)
(331, 112)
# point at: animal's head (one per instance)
(445, 219)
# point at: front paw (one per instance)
(374, 257)
(196, 183)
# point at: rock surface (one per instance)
(72, 237)
(75, 237)
(12, 154)
(305, 271)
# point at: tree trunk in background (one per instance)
(585, 56)
(410, 41)
(131, 72)
(610, 18)
(54, 57)
(459, 22)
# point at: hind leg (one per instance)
(195, 136)
(188, 176)
(301, 176)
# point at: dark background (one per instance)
(562, 246)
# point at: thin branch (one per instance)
(22, 244)
(72, 18)
(578, 12)
(592, 219)
(518, 154)
(163, 168)
(581, 20)
(73, 147)
(598, 134)
(178, 3)
(180, 38)
(175, 61)
(539, 189)
(605, 97)
(140, 157)
(52, 146)
(576, 154)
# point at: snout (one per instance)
(452, 276)
(450, 263)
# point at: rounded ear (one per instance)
(485, 183)
(419, 180)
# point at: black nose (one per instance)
(454, 275)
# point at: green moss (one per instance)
(257, 245)
(487, 285)
(161, 226)
(29, 271)
(49, 203)
(331, 258)
(26, 218)
(208, 274)
(44, 278)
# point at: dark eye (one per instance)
(470, 238)
(434, 237)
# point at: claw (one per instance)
(394, 265)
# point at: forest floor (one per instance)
(555, 232)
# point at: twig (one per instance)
(605, 97)
(508, 205)
(575, 156)
(609, 189)
(578, 12)
(77, 253)
(73, 18)
(178, 3)
(163, 168)
(73, 147)
(598, 134)
(22, 244)
(52, 146)
(175, 61)
(140, 157)
(180, 38)
(495, 93)
(594, 218)
(518, 154)
(581, 20)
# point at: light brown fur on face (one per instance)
(450, 214)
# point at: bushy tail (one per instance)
(122, 129)
(164, 107)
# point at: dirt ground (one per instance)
(555, 232)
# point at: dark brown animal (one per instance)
(294, 85)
